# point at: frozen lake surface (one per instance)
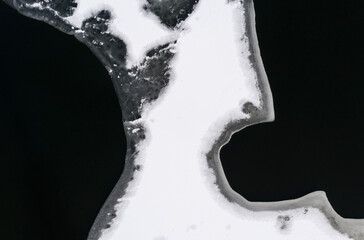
(213, 84)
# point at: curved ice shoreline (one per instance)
(354, 228)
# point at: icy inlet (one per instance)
(188, 74)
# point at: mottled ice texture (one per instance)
(188, 74)
(139, 29)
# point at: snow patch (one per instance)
(212, 79)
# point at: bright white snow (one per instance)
(174, 196)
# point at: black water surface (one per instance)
(313, 55)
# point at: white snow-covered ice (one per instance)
(175, 195)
